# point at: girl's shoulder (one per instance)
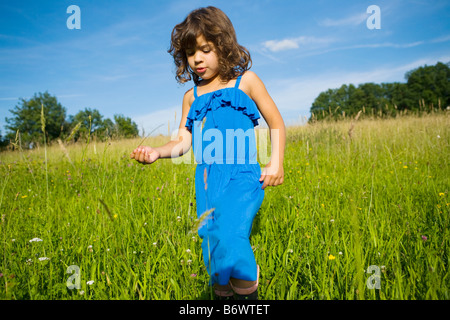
(189, 96)
(250, 82)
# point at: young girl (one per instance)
(225, 102)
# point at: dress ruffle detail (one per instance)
(227, 97)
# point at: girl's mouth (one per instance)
(201, 70)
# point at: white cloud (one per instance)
(295, 43)
(281, 45)
(353, 20)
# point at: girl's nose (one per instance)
(198, 56)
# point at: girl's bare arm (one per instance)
(273, 173)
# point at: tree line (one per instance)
(25, 125)
(427, 88)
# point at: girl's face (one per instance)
(203, 59)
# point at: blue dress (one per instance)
(226, 180)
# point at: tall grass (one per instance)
(373, 196)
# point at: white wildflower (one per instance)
(35, 240)
(43, 258)
(90, 282)
(81, 292)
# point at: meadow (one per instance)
(363, 214)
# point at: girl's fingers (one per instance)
(141, 157)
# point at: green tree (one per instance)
(91, 123)
(426, 86)
(3, 142)
(27, 118)
(125, 127)
(430, 84)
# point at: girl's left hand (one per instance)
(272, 175)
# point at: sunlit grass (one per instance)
(375, 197)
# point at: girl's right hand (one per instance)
(145, 155)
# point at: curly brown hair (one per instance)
(217, 28)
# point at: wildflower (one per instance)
(178, 218)
(24, 196)
(340, 253)
(115, 216)
(188, 251)
(290, 250)
(43, 258)
(193, 275)
(154, 244)
(189, 262)
(424, 238)
(35, 240)
(81, 292)
(332, 220)
(441, 194)
(405, 167)
(29, 261)
(90, 282)
(331, 257)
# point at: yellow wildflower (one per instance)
(331, 257)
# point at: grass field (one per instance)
(363, 214)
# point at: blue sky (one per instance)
(118, 61)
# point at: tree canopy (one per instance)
(26, 121)
(426, 88)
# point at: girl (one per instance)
(225, 101)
